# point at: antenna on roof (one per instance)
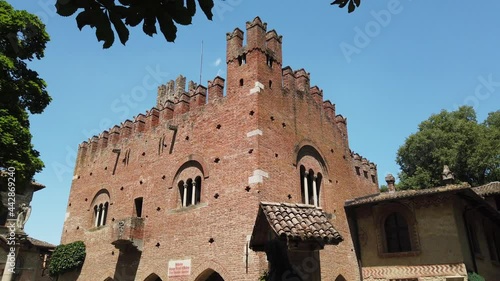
(201, 61)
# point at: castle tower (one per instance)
(260, 60)
(207, 186)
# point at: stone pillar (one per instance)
(102, 214)
(97, 215)
(193, 186)
(306, 190)
(184, 196)
(315, 192)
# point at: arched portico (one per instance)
(209, 275)
(153, 277)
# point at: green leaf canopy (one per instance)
(470, 149)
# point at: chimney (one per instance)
(448, 177)
(390, 180)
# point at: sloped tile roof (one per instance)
(39, 243)
(33, 241)
(387, 196)
(300, 222)
(491, 188)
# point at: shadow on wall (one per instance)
(127, 264)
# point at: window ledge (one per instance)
(188, 208)
(399, 254)
(97, 228)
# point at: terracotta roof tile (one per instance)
(299, 221)
(491, 188)
(387, 196)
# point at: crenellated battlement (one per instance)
(173, 100)
(248, 73)
(298, 82)
(258, 38)
(364, 167)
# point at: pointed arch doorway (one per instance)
(153, 277)
(209, 275)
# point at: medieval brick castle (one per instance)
(244, 179)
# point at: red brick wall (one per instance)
(287, 119)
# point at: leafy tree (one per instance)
(22, 38)
(351, 4)
(103, 14)
(67, 257)
(470, 149)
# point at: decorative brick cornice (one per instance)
(391, 272)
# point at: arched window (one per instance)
(269, 61)
(189, 180)
(100, 214)
(242, 59)
(312, 170)
(190, 191)
(100, 207)
(310, 186)
(397, 233)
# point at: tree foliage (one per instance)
(22, 38)
(106, 15)
(67, 258)
(470, 149)
(103, 14)
(351, 4)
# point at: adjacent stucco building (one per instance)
(436, 234)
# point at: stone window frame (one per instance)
(381, 213)
(100, 208)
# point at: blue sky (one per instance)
(387, 67)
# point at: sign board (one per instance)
(179, 268)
